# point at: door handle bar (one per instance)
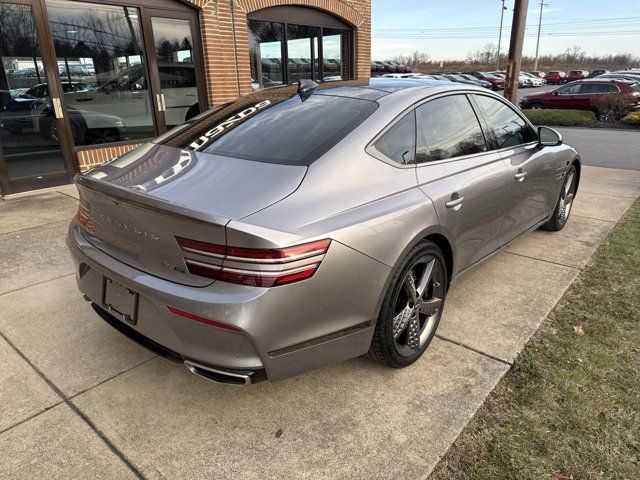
(520, 176)
(455, 202)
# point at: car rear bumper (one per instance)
(335, 319)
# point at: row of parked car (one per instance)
(493, 80)
(298, 65)
(382, 68)
(582, 94)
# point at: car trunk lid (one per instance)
(136, 205)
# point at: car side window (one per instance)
(596, 88)
(399, 142)
(447, 127)
(509, 128)
(570, 89)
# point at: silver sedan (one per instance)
(297, 227)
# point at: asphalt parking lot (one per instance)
(81, 401)
(523, 92)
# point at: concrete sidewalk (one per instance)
(81, 401)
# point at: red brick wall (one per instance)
(226, 78)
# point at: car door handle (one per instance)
(520, 175)
(456, 201)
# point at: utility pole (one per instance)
(542, 4)
(500, 36)
(515, 49)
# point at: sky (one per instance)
(449, 29)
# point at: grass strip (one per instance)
(570, 406)
(561, 118)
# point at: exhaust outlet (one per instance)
(219, 375)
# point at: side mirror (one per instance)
(548, 137)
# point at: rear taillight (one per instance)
(255, 266)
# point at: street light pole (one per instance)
(542, 4)
(515, 49)
(500, 36)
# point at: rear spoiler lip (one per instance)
(152, 203)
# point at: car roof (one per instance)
(606, 80)
(377, 87)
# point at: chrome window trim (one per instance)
(371, 150)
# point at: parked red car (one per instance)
(581, 94)
(556, 77)
(577, 75)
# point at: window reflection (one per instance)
(301, 42)
(332, 53)
(174, 52)
(508, 127)
(265, 51)
(102, 62)
(447, 128)
(312, 52)
(28, 135)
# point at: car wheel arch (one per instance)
(576, 163)
(432, 234)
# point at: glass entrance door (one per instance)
(31, 154)
(176, 66)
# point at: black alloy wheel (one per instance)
(412, 307)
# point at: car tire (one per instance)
(411, 308)
(536, 106)
(565, 202)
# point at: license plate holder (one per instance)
(120, 301)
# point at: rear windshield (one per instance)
(635, 88)
(283, 129)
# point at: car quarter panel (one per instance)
(370, 205)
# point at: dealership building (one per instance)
(82, 82)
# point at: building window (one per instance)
(332, 45)
(99, 47)
(265, 49)
(287, 44)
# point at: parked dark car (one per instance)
(577, 75)
(376, 68)
(382, 67)
(581, 94)
(468, 79)
(598, 72)
(622, 76)
(480, 82)
(556, 77)
(399, 68)
(390, 67)
(496, 82)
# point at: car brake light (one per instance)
(200, 319)
(255, 266)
